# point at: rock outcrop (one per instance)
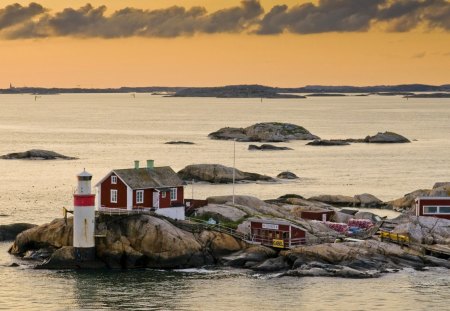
(9, 232)
(264, 132)
(386, 138)
(179, 142)
(324, 142)
(424, 230)
(131, 242)
(220, 174)
(267, 147)
(335, 200)
(36, 154)
(368, 200)
(287, 175)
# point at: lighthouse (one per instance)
(84, 218)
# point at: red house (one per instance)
(152, 188)
(433, 206)
(276, 233)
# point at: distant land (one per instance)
(248, 91)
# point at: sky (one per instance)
(286, 43)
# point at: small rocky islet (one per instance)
(153, 241)
(36, 154)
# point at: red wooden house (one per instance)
(151, 188)
(433, 206)
(276, 233)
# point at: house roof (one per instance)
(156, 177)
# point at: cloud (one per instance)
(326, 16)
(89, 21)
(15, 13)
(34, 21)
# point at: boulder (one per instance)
(254, 254)
(335, 200)
(407, 201)
(216, 173)
(424, 230)
(272, 264)
(368, 200)
(221, 212)
(287, 175)
(324, 142)
(264, 132)
(9, 232)
(64, 258)
(386, 138)
(250, 205)
(36, 154)
(267, 147)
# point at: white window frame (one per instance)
(114, 180)
(173, 194)
(438, 210)
(139, 196)
(163, 194)
(113, 197)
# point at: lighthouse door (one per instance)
(156, 199)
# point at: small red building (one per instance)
(276, 233)
(320, 215)
(433, 206)
(151, 188)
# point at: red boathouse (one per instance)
(433, 207)
(276, 233)
(152, 188)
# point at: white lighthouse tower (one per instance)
(84, 218)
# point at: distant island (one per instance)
(251, 91)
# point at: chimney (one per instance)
(150, 164)
(136, 164)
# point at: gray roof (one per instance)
(156, 177)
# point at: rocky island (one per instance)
(151, 241)
(36, 154)
(264, 132)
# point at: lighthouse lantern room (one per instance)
(84, 218)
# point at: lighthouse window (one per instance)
(173, 194)
(140, 196)
(114, 180)
(113, 196)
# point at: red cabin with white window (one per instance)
(433, 207)
(152, 188)
(276, 233)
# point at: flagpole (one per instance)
(234, 166)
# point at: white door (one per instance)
(156, 199)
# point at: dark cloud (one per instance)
(326, 16)
(34, 21)
(15, 13)
(89, 21)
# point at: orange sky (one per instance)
(361, 58)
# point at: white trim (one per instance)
(163, 194)
(99, 197)
(129, 198)
(139, 196)
(113, 179)
(438, 209)
(175, 191)
(113, 196)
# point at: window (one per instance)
(444, 209)
(113, 196)
(113, 180)
(139, 196)
(163, 194)
(173, 194)
(430, 209)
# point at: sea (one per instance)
(111, 131)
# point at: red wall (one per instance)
(106, 188)
(434, 202)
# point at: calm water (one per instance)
(109, 131)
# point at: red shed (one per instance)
(433, 207)
(276, 233)
(150, 188)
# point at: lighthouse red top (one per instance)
(83, 196)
